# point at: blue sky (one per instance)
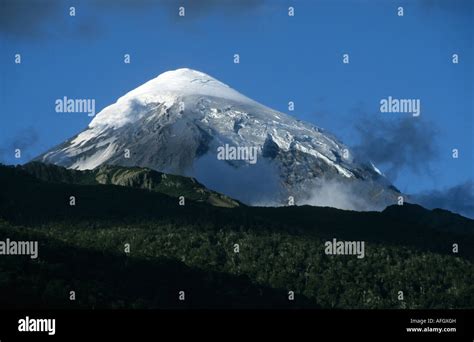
(282, 59)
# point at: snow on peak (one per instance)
(164, 89)
(376, 169)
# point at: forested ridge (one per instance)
(241, 257)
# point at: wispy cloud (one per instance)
(454, 6)
(23, 140)
(23, 18)
(400, 144)
(343, 195)
(459, 198)
(30, 18)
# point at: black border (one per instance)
(294, 325)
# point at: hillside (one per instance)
(135, 177)
(408, 248)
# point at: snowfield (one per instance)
(176, 122)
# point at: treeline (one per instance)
(223, 257)
(252, 268)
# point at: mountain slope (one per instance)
(26, 198)
(136, 177)
(177, 122)
(192, 248)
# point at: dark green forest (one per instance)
(192, 248)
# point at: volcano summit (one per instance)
(176, 123)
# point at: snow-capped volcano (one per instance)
(167, 89)
(184, 120)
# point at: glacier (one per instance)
(176, 122)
